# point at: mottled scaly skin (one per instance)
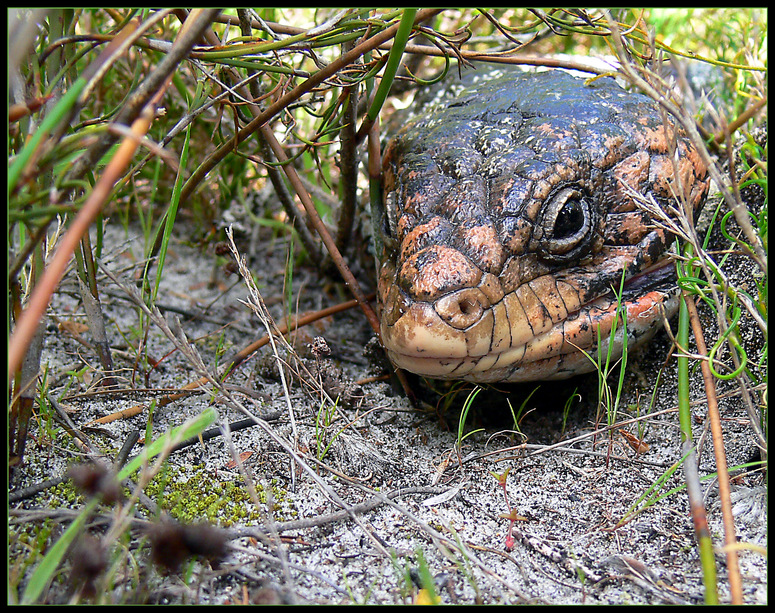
(507, 223)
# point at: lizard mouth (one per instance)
(466, 336)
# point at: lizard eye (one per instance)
(566, 226)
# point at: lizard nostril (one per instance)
(463, 308)
(467, 307)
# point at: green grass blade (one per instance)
(187, 430)
(172, 212)
(396, 53)
(50, 121)
(42, 575)
(704, 542)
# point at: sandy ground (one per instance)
(418, 505)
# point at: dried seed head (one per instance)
(320, 347)
(172, 543)
(222, 248)
(89, 559)
(96, 480)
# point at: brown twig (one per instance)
(28, 321)
(235, 360)
(320, 228)
(741, 120)
(733, 567)
(323, 520)
(141, 96)
(316, 79)
(348, 180)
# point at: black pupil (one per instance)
(569, 220)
